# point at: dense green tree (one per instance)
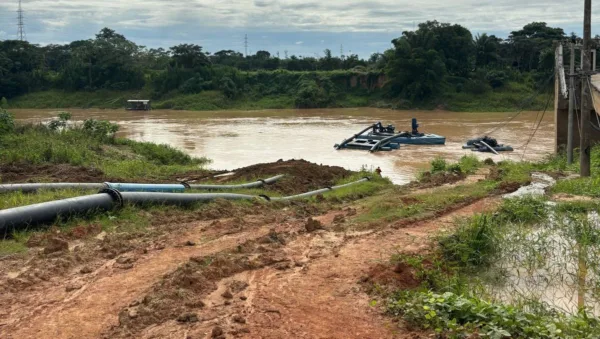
(415, 70)
(530, 43)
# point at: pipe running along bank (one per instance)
(131, 187)
(108, 199)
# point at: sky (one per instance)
(300, 27)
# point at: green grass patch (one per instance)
(78, 146)
(394, 204)
(455, 316)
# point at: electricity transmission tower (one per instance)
(246, 45)
(20, 23)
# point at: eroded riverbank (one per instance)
(234, 139)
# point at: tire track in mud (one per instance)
(316, 297)
(320, 296)
(84, 314)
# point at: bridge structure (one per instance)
(568, 83)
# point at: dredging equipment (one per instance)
(379, 132)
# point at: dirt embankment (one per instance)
(301, 175)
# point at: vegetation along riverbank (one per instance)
(438, 65)
(445, 255)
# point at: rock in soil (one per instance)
(217, 331)
(123, 266)
(227, 295)
(86, 270)
(190, 243)
(132, 313)
(339, 219)
(313, 225)
(125, 259)
(188, 318)
(73, 285)
(239, 319)
(56, 245)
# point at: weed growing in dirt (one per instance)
(526, 210)
(438, 164)
(8, 247)
(469, 164)
(457, 316)
(473, 244)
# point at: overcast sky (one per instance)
(301, 27)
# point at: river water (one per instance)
(233, 139)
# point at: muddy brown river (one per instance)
(233, 139)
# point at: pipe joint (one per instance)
(115, 195)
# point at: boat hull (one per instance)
(426, 139)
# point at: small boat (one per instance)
(413, 137)
(486, 144)
(138, 105)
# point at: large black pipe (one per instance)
(20, 217)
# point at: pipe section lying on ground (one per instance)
(21, 217)
(255, 184)
(320, 191)
(126, 187)
(28, 188)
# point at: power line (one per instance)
(20, 23)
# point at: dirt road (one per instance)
(307, 284)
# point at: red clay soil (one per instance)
(301, 175)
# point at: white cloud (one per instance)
(164, 22)
(299, 42)
(333, 15)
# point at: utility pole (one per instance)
(584, 145)
(20, 23)
(246, 45)
(570, 129)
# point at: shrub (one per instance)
(456, 316)
(61, 122)
(496, 78)
(473, 244)
(100, 128)
(524, 210)
(438, 165)
(3, 103)
(7, 121)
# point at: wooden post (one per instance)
(571, 106)
(584, 142)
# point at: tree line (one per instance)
(434, 58)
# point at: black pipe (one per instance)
(49, 211)
(107, 199)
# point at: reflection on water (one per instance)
(234, 139)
